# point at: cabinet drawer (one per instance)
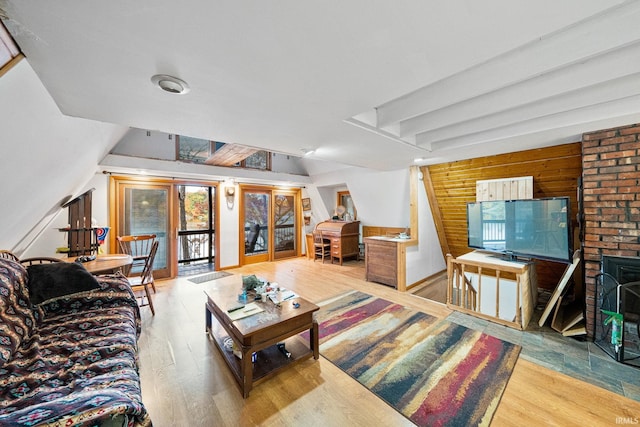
(382, 270)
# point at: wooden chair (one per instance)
(145, 280)
(139, 247)
(321, 246)
(5, 254)
(39, 260)
(250, 244)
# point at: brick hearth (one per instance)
(611, 201)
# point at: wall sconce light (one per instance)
(230, 193)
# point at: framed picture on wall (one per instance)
(306, 204)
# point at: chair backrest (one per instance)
(136, 245)
(253, 238)
(5, 254)
(39, 260)
(317, 237)
(147, 272)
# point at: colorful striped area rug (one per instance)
(434, 372)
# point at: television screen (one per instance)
(535, 228)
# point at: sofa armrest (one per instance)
(114, 291)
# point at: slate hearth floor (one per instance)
(580, 359)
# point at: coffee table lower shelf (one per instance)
(269, 360)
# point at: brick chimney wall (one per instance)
(611, 202)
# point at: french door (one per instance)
(196, 224)
(285, 244)
(143, 208)
(270, 224)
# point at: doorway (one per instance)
(196, 229)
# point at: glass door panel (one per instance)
(284, 225)
(144, 209)
(195, 224)
(255, 233)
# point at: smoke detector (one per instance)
(170, 84)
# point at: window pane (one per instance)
(285, 220)
(256, 215)
(258, 160)
(145, 212)
(194, 209)
(193, 149)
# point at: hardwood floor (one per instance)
(185, 381)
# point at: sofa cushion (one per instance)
(17, 320)
(57, 279)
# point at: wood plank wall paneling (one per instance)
(371, 230)
(555, 172)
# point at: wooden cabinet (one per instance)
(81, 236)
(344, 237)
(385, 261)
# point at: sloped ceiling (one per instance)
(47, 157)
(367, 83)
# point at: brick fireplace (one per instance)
(611, 202)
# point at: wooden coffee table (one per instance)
(259, 333)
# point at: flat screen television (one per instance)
(533, 228)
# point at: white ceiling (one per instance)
(368, 83)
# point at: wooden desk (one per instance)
(259, 333)
(106, 264)
(344, 237)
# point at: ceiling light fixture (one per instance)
(170, 84)
(307, 151)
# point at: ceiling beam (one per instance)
(573, 44)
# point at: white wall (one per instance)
(46, 157)
(51, 238)
(136, 143)
(382, 199)
(229, 250)
(425, 259)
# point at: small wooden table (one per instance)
(106, 264)
(259, 333)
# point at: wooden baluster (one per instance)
(479, 286)
(449, 278)
(518, 311)
(498, 293)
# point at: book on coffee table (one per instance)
(248, 310)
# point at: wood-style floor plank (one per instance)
(185, 381)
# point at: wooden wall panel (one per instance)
(555, 172)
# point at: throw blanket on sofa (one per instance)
(70, 361)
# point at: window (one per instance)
(196, 150)
(8, 48)
(193, 150)
(259, 160)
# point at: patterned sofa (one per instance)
(71, 360)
